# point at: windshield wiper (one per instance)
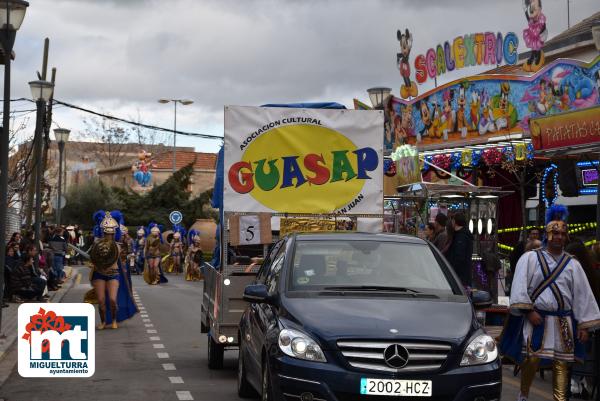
(372, 288)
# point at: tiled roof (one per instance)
(203, 161)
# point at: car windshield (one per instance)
(364, 265)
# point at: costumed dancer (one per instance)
(106, 275)
(177, 248)
(535, 34)
(138, 248)
(153, 272)
(551, 309)
(194, 258)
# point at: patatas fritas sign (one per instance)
(292, 160)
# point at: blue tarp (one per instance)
(217, 199)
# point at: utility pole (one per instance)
(34, 160)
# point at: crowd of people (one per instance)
(32, 270)
(452, 238)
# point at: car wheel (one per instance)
(245, 389)
(267, 389)
(215, 354)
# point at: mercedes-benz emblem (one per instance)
(395, 356)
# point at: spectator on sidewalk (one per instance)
(25, 284)
(11, 262)
(460, 252)
(440, 237)
(58, 244)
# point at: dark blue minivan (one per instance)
(344, 317)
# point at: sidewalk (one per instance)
(10, 315)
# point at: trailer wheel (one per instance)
(215, 354)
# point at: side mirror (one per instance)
(257, 293)
(481, 299)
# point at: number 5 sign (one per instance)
(250, 229)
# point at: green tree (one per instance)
(84, 200)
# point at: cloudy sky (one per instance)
(120, 56)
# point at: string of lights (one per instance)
(550, 170)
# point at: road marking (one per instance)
(158, 346)
(184, 396)
(78, 279)
(176, 380)
(169, 366)
(162, 355)
(149, 325)
(151, 331)
(154, 338)
(146, 320)
(143, 316)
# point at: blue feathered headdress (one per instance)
(557, 213)
(192, 234)
(151, 226)
(556, 219)
(118, 216)
(144, 229)
(178, 228)
(98, 216)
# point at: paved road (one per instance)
(160, 354)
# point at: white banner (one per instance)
(303, 160)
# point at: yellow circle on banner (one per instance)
(299, 193)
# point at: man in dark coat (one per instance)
(461, 249)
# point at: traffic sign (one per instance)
(175, 217)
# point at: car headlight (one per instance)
(299, 345)
(479, 351)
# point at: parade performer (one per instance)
(551, 309)
(194, 258)
(535, 34)
(153, 272)
(138, 247)
(107, 274)
(127, 251)
(177, 248)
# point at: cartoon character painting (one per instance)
(461, 118)
(504, 113)
(425, 119)
(474, 110)
(448, 114)
(407, 124)
(410, 87)
(486, 119)
(535, 34)
(581, 89)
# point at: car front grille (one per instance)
(362, 397)
(424, 356)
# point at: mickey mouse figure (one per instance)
(535, 34)
(410, 87)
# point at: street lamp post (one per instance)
(62, 136)
(184, 102)
(12, 13)
(378, 95)
(41, 91)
